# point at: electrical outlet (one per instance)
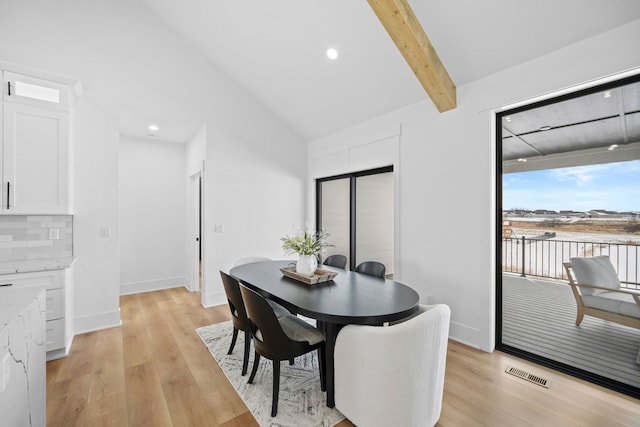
(54, 233)
(6, 373)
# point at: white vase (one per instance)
(306, 264)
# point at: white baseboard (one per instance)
(464, 335)
(152, 285)
(96, 322)
(213, 299)
(61, 352)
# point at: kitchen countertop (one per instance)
(29, 266)
(14, 300)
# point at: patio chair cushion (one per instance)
(614, 302)
(596, 271)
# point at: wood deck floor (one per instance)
(539, 317)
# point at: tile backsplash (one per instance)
(30, 237)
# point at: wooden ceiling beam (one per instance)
(403, 27)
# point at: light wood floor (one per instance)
(155, 371)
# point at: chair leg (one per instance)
(276, 388)
(292, 361)
(322, 368)
(247, 346)
(256, 361)
(233, 340)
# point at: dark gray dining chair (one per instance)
(336, 260)
(372, 268)
(279, 339)
(239, 316)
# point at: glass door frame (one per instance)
(499, 345)
(352, 176)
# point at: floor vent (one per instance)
(527, 376)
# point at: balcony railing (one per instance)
(544, 257)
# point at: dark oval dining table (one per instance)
(350, 298)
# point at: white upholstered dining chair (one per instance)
(393, 375)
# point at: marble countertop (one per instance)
(14, 300)
(13, 267)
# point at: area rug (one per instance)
(301, 402)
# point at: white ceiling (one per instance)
(276, 49)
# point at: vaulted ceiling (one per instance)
(276, 49)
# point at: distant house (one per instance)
(572, 214)
(543, 213)
(516, 212)
(605, 214)
(631, 215)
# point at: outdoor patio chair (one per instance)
(596, 288)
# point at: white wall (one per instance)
(126, 59)
(152, 219)
(257, 198)
(447, 190)
(95, 189)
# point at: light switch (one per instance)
(218, 228)
(106, 232)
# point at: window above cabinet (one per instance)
(34, 91)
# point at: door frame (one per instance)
(610, 82)
(352, 177)
(196, 215)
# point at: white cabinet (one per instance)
(34, 160)
(58, 328)
(35, 146)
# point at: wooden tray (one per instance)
(318, 276)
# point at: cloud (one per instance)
(580, 175)
(509, 180)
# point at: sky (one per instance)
(611, 186)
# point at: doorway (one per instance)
(565, 177)
(197, 271)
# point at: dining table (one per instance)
(350, 298)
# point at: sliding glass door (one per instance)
(335, 216)
(568, 174)
(356, 210)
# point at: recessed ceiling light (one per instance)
(153, 128)
(522, 160)
(545, 128)
(332, 54)
(508, 119)
(613, 147)
(607, 94)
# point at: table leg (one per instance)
(331, 333)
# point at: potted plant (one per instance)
(308, 246)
